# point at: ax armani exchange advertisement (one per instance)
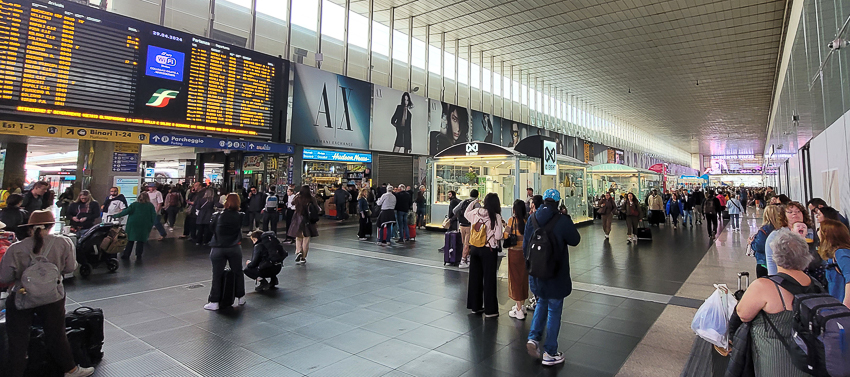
(329, 110)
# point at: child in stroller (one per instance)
(99, 244)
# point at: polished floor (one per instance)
(358, 309)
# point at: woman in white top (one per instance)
(482, 259)
(290, 210)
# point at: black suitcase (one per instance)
(90, 321)
(228, 288)
(453, 249)
(643, 233)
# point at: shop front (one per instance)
(622, 179)
(692, 182)
(324, 168)
(572, 183)
(478, 166)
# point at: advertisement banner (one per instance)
(550, 162)
(399, 121)
(513, 132)
(486, 128)
(330, 110)
(447, 125)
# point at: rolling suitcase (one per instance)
(453, 249)
(412, 232)
(643, 233)
(745, 276)
(228, 288)
(90, 321)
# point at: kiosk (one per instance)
(478, 165)
(327, 168)
(623, 179)
(569, 178)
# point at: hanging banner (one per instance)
(399, 121)
(330, 110)
(550, 161)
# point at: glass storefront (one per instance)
(622, 179)
(572, 177)
(322, 168)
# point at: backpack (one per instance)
(817, 344)
(271, 201)
(272, 244)
(460, 211)
(478, 234)
(41, 282)
(541, 259)
(314, 213)
(708, 207)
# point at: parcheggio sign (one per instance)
(550, 161)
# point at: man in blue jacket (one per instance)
(550, 292)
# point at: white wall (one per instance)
(829, 161)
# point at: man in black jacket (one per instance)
(341, 202)
(699, 199)
(34, 199)
(256, 203)
(402, 206)
(551, 292)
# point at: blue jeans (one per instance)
(401, 221)
(688, 217)
(736, 220)
(158, 225)
(548, 315)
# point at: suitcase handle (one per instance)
(743, 274)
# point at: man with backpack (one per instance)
(270, 213)
(266, 261)
(711, 208)
(465, 225)
(546, 237)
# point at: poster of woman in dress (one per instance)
(398, 118)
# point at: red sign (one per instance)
(658, 168)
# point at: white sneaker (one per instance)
(463, 264)
(501, 254)
(362, 238)
(518, 314)
(240, 302)
(533, 348)
(606, 236)
(211, 306)
(553, 359)
(80, 372)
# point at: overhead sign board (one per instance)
(219, 143)
(321, 155)
(550, 159)
(68, 132)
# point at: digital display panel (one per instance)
(66, 60)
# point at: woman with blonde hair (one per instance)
(771, 220)
(365, 230)
(835, 250)
(792, 213)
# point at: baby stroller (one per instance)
(100, 244)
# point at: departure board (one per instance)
(62, 59)
(65, 59)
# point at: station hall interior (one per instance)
(166, 151)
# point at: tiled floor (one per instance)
(357, 309)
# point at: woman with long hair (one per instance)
(401, 122)
(83, 213)
(481, 296)
(792, 213)
(420, 207)
(204, 209)
(141, 216)
(631, 207)
(226, 250)
(363, 214)
(517, 273)
(771, 220)
(173, 203)
(301, 227)
(290, 209)
(59, 251)
(835, 250)
(675, 208)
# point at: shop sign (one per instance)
(472, 149)
(658, 168)
(253, 162)
(550, 161)
(320, 155)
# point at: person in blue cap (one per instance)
(552, 291)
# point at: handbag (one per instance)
(447, 222)
(511, 240)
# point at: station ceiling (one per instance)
(697, 73)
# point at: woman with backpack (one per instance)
(303, 225)
(54, 251)
(486, 231)
(226, 250)
(173, 204)
(260, 266)
(835, 250)
(517, 273)
(767, 305)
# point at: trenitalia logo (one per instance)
(161, 97)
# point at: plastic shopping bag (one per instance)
(712, 319)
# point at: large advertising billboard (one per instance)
(447, 125)
(330, 110)
(399, 121)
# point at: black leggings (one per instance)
(140, 249)
(18, 323)
(482, 280)
(711, 219)
(221, 257)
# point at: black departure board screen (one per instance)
(68, 60)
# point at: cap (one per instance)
(552, 194)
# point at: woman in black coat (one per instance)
(204, 209)
(401, 122)
(83, 213)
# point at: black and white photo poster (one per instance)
(399, 121)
